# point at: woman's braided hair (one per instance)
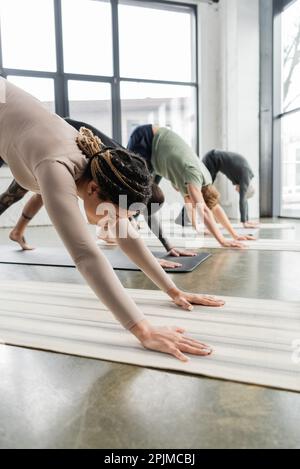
(117, 172)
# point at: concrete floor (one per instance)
(56, 401)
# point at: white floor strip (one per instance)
(271, 226)
(173, 227)
(253, 339)
(210, 243)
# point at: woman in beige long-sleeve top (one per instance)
(41, 150)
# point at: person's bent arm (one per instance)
(198, 204)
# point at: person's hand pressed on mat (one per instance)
(172, 341)
(245, 237)
(175, 252)
(165, 264)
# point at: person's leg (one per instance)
(109, 142)
(30, 210)
(12, 195)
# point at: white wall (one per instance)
(239, 26)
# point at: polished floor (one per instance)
(56, 401)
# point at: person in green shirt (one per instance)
(169, 156)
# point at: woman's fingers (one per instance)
(188, 254)
(186, 303)
(194, 343)
(179, 355)
(207, 301)
(180, 330)
(186, 348)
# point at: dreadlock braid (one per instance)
(117, 172)
(89, 143)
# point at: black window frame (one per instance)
(61, 78)
(278, 114)
(271, 114)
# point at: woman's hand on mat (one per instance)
(181, 253)
(187, 300)
(19, 238)
(251, 224)
(169, 340)
(168, 264)
(228, 243)
(245, 238)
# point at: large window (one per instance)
(107, 62)
(287, 109)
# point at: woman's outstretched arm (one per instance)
(139, 253)
(59, 193)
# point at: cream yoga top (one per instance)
(40, 149)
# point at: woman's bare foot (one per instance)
(19, 238)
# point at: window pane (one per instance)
(291, 165)
(90, 102)
(40, 88)
(28, 34)
(87, 37)
(149, 49)
(291, 57)
(162, 105)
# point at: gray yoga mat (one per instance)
(59, 257)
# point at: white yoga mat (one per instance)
(253, 340)
(270, 226)
(211, 243)
(189, 230)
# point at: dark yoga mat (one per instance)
(59, 257)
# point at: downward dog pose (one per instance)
(237, 169)
(166, 155)
(169, 157)
(41, 151)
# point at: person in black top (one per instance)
(237, 169)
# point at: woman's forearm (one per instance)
(135, 248)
